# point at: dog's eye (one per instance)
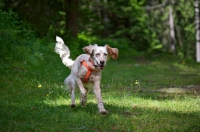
(105, 54)
(97, 54)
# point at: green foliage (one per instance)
(19, 44)
(15, 35)
(121, 43)
(185, 29)
(141, 24)
(118, 19)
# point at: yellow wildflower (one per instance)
(137, 82)
(39, 86)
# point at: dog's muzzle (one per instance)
(101, 65)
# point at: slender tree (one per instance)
(196, 5)
(172, 33)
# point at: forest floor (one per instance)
(155, 94)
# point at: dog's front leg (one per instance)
(97, 92)
(83, 94)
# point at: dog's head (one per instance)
(100, 54)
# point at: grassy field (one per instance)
(155, 94)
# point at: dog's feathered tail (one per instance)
(64, 52)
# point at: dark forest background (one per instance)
(133, 26)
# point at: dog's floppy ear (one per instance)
(113, 52)
(89, 49)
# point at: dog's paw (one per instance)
(103, 112)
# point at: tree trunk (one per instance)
(172, 33)
(105, 18)
(72, 16)
(196, 5)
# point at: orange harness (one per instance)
(89, 69)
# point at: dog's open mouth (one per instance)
(101, 67)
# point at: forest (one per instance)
(152, 86)
(152, 26)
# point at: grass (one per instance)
(33, 98)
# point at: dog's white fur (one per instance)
(99, 55)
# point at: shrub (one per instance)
(15, 36)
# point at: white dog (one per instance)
(86, 69)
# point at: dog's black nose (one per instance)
(101, 62)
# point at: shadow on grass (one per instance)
(159, 94)
(163, 96)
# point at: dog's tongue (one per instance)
(101, 67)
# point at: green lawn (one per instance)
(165, 97)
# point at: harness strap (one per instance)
(89, 70)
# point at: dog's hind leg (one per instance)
(83, 94)
(71, 84)
(73, 104)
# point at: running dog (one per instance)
(86, 69)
